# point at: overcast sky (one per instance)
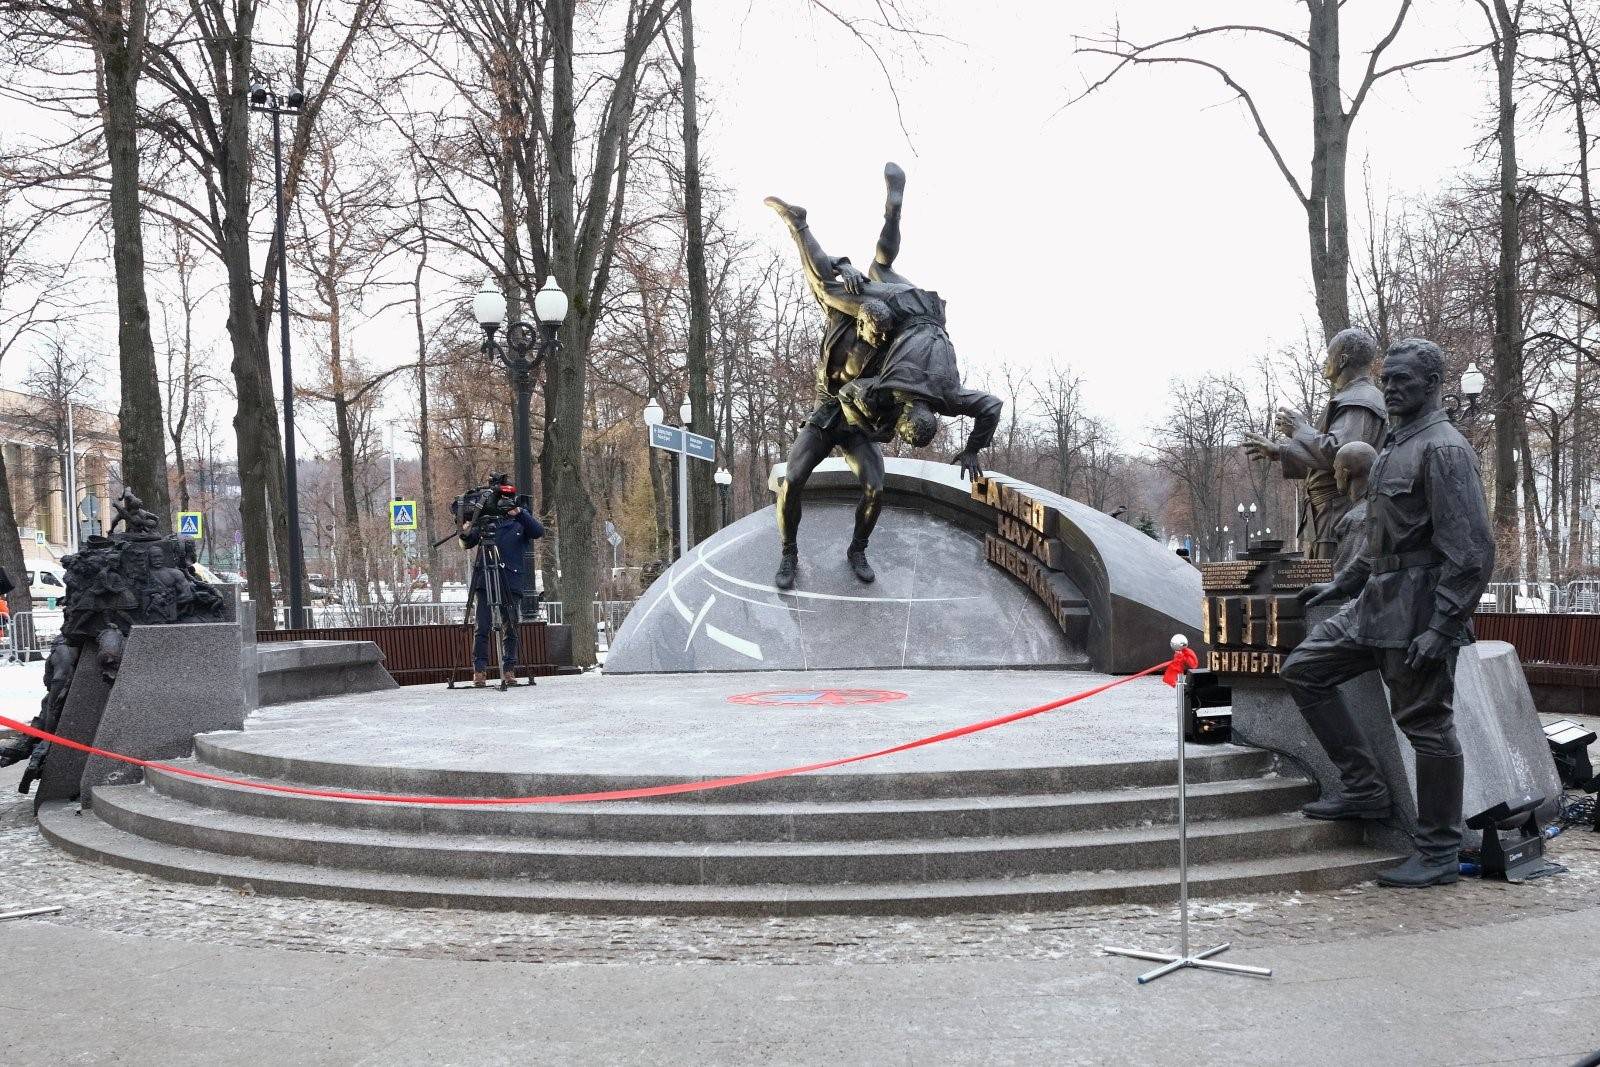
(1140, 235)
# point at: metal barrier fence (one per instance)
(21, 638)
(1543, 598)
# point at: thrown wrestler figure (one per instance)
(887, 367)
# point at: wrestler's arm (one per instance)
(984, 410)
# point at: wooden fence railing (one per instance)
(419, 655)
(1563, 640)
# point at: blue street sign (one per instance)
(700, 447)
(190, 523)
(402, 514)
(667, 437)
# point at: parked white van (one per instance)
(47, 583)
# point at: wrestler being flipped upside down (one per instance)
(887, 367)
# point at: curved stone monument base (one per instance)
(994, 574)
(936, 603)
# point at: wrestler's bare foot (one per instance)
(795, 215)
(895, 179)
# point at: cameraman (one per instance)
(511, 536)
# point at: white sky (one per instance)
(1141, 235)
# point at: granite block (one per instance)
(175, 681)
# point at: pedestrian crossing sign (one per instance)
(191, 523)
(402, 514)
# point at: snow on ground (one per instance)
(21, 689)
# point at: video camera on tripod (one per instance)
(483, 506)
(478, 513)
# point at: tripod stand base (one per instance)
(1200, 961)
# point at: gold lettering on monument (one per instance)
(1027, 570)
(1009, 501)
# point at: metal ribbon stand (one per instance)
(1184, 958)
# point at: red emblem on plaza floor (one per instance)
(815, 698)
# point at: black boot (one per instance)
(1438, 837)
(1361, 792)
(786, 568)
(859, 564)
(17, 749)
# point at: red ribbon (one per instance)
(1183, 660)
(615, 794)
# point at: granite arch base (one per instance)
(1099, 594)
(1507, 757)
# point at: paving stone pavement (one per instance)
(101, 898)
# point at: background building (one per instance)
(34, 433)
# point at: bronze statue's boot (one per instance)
(1361, 792)
(1438, 858)
(895, 179)
(786, 568)
(859, 564)
(794, 216)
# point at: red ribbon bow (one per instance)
(1183, 659)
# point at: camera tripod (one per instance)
(486, 557)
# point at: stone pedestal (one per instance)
(176, 681)
(1507, 757)
(80, 719)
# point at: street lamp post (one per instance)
(1471, 389)
(263, 98)
(654, 416)
(685, 418)
(724, 480)
(1244, 515)
(550, 309)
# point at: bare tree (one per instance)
(1322, 195)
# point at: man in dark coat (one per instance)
(886, 367)
(510, 538)
(1429, 553)
(1354, 412)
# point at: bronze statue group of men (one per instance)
(1394, 498)
(887, 368)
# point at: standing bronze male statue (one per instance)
(887, 366)
(1354, 413)
(1429, 553)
